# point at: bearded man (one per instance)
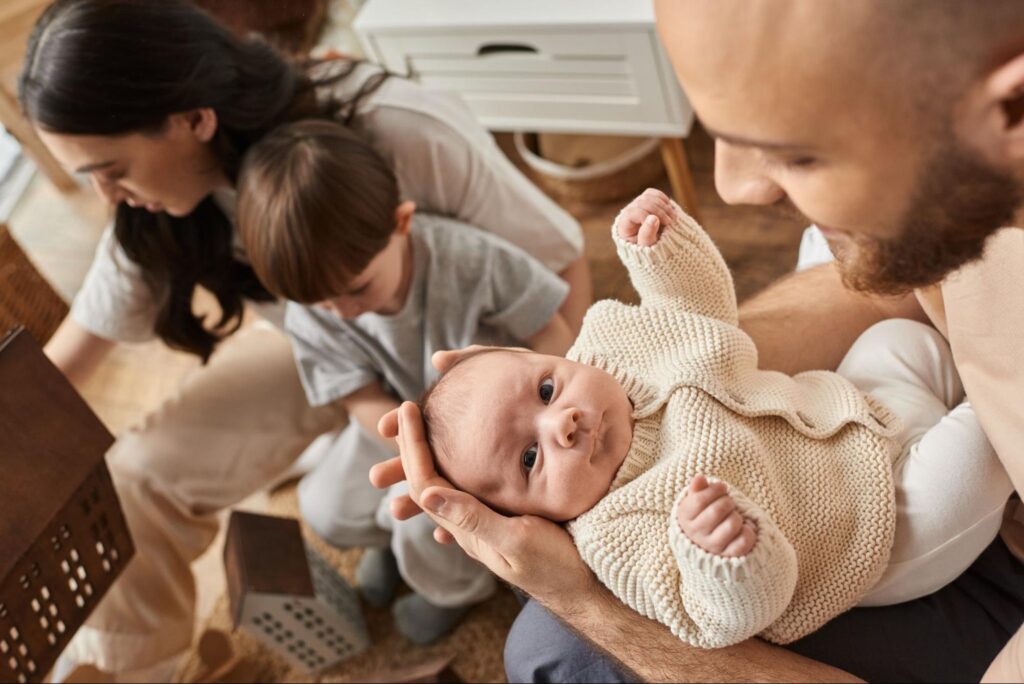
(898, 128)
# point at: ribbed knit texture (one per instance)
(809, 458)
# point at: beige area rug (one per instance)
(476, 644)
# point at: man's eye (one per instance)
(530, 457)
(801, 162)
(547, 390)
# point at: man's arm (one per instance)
(649, 650)
(809, 320)
(539, 557)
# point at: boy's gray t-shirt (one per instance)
(468, 287)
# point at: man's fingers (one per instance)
(476, 528)
(443, 536)
(417, 460)
(387, 426)
(387, 473)
(403, 508)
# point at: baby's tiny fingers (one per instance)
(743, 544)
(714, 514)
(647, 236)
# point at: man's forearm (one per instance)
(654, 654)
(809, 320)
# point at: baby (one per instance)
(723, 500)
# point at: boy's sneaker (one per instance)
(377, 576)
(422, 622)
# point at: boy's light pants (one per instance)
(338, 502)
(232, 428)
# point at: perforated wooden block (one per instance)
(63, 537)
(287, 596)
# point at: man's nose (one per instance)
(563, 425)
(740, 177)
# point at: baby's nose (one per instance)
(567, 427)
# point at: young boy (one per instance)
(375, 289)
(720, 499)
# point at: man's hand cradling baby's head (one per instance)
(528, 433)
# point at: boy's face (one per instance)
(539, 435)
(383, 285)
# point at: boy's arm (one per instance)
(671, 260)
(367, 405)
(555, 338)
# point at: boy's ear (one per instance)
(403, 217)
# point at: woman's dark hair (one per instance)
(111, 67)
(316, 204)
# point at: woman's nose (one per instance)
(564, 426)
(740, 177)
(112, 194)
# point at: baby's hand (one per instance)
(708, 516)
(642, 220)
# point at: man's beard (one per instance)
(958, 205)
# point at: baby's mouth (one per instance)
(596, 437)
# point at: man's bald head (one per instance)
(864, 114)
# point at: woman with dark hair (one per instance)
(158, 103)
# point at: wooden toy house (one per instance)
(287, 596)
(63, 538)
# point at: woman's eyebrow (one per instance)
(94, 167)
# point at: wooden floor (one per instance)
(60, 233)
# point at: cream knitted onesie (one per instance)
(809, 458)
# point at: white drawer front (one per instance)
(592, 81)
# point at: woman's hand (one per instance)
(708, 516)
(643, 219)
(529, 552)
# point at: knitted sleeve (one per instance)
(683, 269)
(732, 599)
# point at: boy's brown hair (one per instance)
(316, 204)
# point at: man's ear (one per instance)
(201, 123)
(991, 117)
(403, 217)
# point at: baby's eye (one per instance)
(530, 457)
(547, 390)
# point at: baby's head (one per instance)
(321, 220)
(529, 433)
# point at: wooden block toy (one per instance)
(63, 537)
(288, 596)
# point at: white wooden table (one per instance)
(550, 66)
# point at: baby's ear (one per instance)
(444, 360)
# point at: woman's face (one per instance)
(172, 170)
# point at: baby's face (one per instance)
(536, 434)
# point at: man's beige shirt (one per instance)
(980, 309)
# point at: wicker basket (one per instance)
(26, 298)
(592, 169)
(63, 537)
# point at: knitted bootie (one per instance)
(422, 622)
(377, 576)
